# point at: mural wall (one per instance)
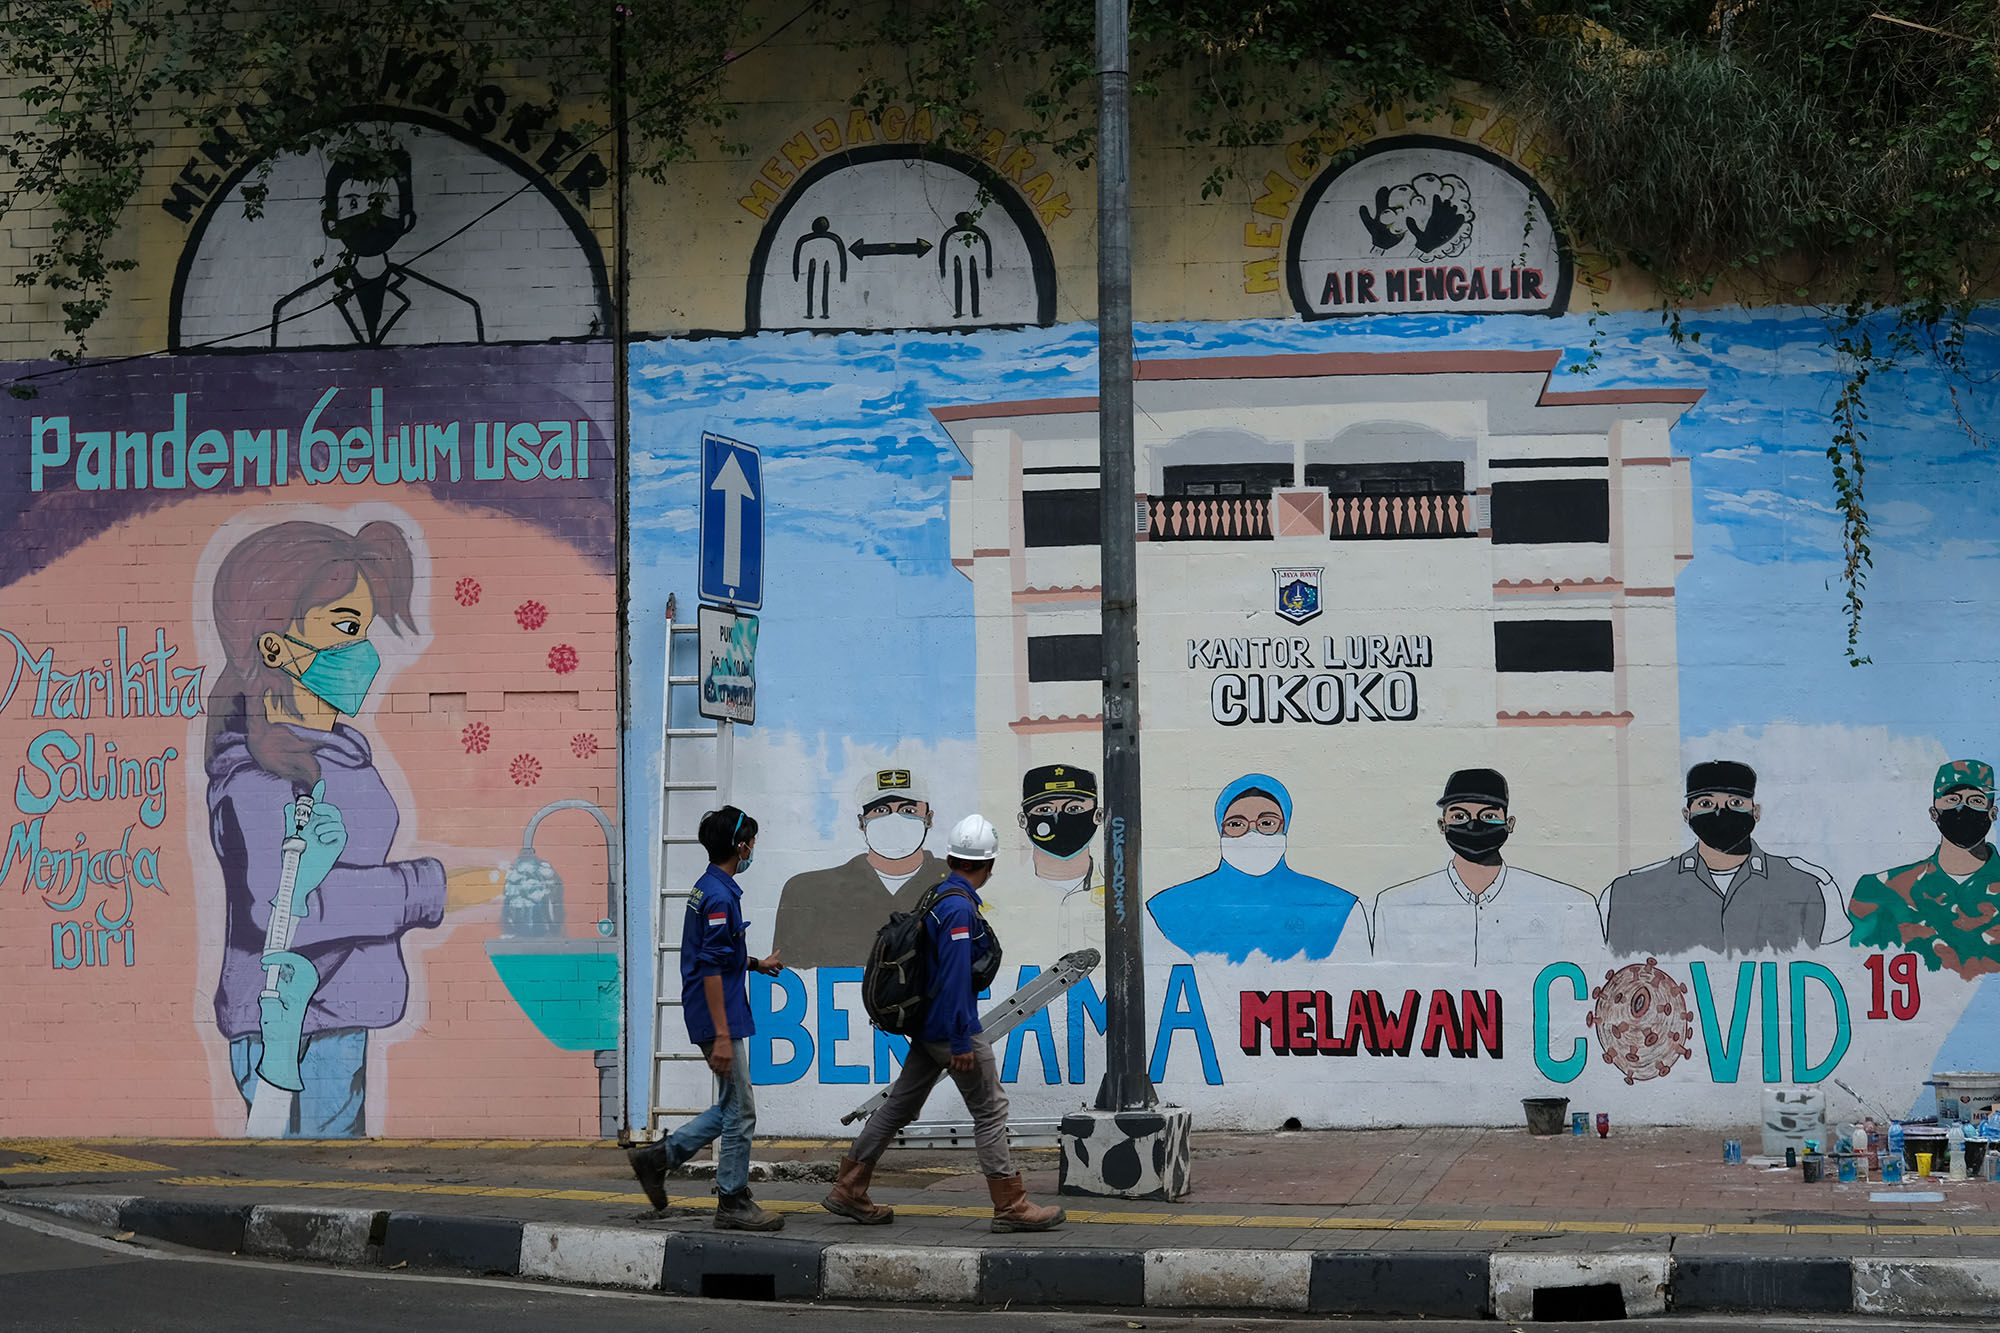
(308, 680)
(1498, 736)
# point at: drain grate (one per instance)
(1568, 1305)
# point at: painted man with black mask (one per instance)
(1943, 908)
(1060, 815)
(1479, 909)
(1725, 894)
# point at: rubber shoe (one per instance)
(740, 1212)
(849, 1197)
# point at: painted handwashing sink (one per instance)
(567, 985)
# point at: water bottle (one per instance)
(1896, 1138)
(1955, 1146)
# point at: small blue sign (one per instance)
(732, 523)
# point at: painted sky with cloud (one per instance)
(867, 632)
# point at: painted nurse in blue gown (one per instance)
(1253, 902)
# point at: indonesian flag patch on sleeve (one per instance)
(959, 933)
(718, 918)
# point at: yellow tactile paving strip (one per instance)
(356, 1144)
(1301, 1222)
(64, 1157)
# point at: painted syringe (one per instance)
(278, 936)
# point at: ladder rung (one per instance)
(687, 786)
(690, 733)
(679, 840)
(664, 1055)
(683, 680)
(683, 627)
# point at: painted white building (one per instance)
(1496, 563)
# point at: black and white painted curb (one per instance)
(1464, 1284)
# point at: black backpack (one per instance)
(895, 987)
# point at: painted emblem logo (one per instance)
(1298, 593)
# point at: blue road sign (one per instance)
(732, 522)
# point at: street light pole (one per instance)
(1126, 1086)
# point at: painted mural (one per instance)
(308, 663)
(1498, 737)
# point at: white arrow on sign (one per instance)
(735, 488)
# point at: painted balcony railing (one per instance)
(1361, 517)
(1205, 518)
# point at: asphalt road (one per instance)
(76, 1281)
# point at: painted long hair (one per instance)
(267, 584)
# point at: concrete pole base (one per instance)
(1127, 1154)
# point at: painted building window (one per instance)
(1227, 479)
(1551, 645)
(1059, 518)
(1570, 510)
(1434, 477)
(1065, 657)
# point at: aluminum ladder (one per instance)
(680, 1085)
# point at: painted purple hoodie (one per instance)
(354, 922)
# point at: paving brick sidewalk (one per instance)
(1452, 1188)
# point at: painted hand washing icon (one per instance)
(567, 984)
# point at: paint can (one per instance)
(1844, 1168)
(1812, 1166)
(1892, 1170)
(1732, 1152)
(1976, 1153)
(1791, 1158)
(1579, 1123)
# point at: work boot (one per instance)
(651, 1165)
(1013, 1212)
(849, 1197)
(740, 1212)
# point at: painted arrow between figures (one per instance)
(866, 250)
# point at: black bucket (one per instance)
(1546, 1115)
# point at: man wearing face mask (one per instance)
(1726, 893)
(1479, 909)
(1941, 908)
(1253, 902)
(828, 918)
(1060, 815)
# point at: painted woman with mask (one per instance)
(293, 605)
(1253, 902)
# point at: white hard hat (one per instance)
(973, 839)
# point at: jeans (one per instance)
(334, 1069)
(980, 1086)
(733, 1119)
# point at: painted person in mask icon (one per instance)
(1253, 902)
(1060, 815)
(828, 918)
(294, 606)
(1725, 894)
(1946, 907)
(1479, 909)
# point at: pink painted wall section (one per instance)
(199, 563)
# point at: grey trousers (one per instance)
(980, 1086)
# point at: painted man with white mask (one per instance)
(1253, 902)
(828, 918)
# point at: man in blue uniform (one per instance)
(714, 961)
(958, 940)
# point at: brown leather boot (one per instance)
(1013, 1212)
(849, 1196)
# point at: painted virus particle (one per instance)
(476, 737)
(531, 614)
(1642, 1021)
(526, 770)
(466, 592)
(562, 659)
(583, 745)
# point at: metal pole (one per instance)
(1126, 1085)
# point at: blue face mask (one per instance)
(744, 864)
(340, 676)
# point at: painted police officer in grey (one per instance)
(1725, 894)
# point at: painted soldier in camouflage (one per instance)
(1946, 907)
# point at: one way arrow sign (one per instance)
(732, 523)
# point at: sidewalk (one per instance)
(1438, 1221)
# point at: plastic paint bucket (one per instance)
(1963, 1095)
